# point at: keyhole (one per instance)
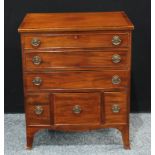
(76, 37)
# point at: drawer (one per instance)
(81, 40)
(77, 108)
(76, 79)
(37, 109)
(115, 107)
(78, 59)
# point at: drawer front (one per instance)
(79, 59)
(37, 109)
(42, 41)
(76, 80)
(77, 108)
(115, 107)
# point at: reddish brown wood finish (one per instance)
(34, 100)
(76, 79)
(76, 69)
(37, 98)
(85, 40)
(118, 98)
(34, 119)
(58, 22)
(88, 102)
(77, 59)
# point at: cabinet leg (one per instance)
(29, 136)
(125, 136)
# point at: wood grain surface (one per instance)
(75, 59)
(47, 22)
(88, 102)
(77, 40)
(76, 80)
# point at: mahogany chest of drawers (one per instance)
(76, 71)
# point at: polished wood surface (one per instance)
(78, 59)
(77, 40)
(65, 102)
(115, 98)
(35, 98)
(68, 70)
(76, 79)
(32, 101)
(47, 22)
(34, 119)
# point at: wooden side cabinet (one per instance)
(76, 71)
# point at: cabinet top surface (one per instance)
(49, 22)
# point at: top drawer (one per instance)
(80, 40)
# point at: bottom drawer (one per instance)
(115, 107)
(38, 109)
(77, 108)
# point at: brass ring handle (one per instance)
(36, 60)
(38, 110)
(35, 42)
(116, 79)
(116, 58)
(115, 108)
(116, 40)
(37, 81)
(76, 109)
